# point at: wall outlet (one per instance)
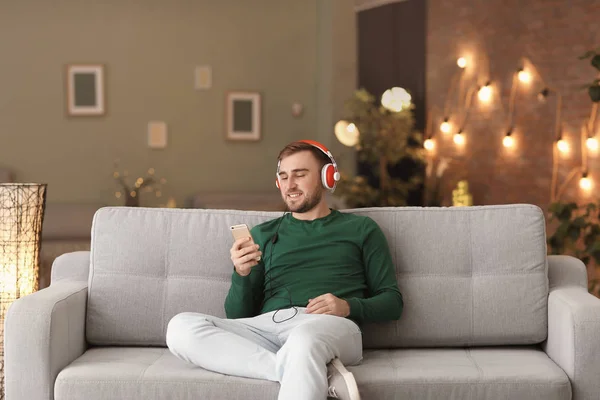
(203, 77)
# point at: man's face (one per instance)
(300, 181)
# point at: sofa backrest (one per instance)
(469, 275)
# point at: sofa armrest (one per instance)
(44, 332)
(73, 266)
(573, 326)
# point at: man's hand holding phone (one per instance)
(245, 254)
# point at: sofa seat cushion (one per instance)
(120, 373)
(147, 373)
(513, 373)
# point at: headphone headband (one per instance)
(329, 173)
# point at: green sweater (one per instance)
(343, 254)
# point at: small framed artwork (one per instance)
(85, 89)
(243, 116)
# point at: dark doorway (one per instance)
(391, 52)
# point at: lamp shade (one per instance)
(22, 207)
(347, 133)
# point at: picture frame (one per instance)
(85, 90)
(243, 116)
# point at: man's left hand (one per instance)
(328, 304)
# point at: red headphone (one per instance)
(329, 173)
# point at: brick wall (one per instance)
(496, 37)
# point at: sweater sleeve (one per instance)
(245, 295)
(384, 301)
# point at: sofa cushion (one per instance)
(481, 373)
(469, 275)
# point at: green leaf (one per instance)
(594, 92)
(596, 61)
(573, 232)
(585, 259)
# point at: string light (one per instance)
(508, 140)
(485, 93)
(543, 94)
(429, 144)
(585, 182)
(524, 76)
(459, 138)
(562, 145)
(446, 127)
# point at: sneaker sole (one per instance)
(348, 378)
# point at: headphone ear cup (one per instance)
(327, 176)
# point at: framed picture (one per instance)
(243, 113)
(85, 89)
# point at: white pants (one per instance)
(295, 352)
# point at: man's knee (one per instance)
(181, 326)
(307, 341)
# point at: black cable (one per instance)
(271, 279)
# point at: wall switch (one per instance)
(157, 135)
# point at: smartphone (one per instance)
(240, 231)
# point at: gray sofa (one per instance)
(487, 314)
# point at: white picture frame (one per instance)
(243, 116)
(85, 90)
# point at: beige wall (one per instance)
(288, 50)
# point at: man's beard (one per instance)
(308, 204)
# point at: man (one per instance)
(301, 286)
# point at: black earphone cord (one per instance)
(270, 278)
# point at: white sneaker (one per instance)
(342, 384)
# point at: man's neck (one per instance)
(320, 211)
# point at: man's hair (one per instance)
(296, 147)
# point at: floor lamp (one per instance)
(22, 207)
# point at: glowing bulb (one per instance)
(508, 141)
(562, 145)
(461, 62)
(524, 76)
(459, 138)
(429, 144)
(485, 93)
(592, 143)
(445, 127)
(396, 99)
(346, 133)
(585, 183)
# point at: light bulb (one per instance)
(445, 127)
(562, 145)
(346, 133)
(508, 141)
(585, 183)
(543, 94)
(461, 62)
(485, 93)
(459, 138)
(396, 99)
(429, 144)
(592, 143)
(524, 76)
